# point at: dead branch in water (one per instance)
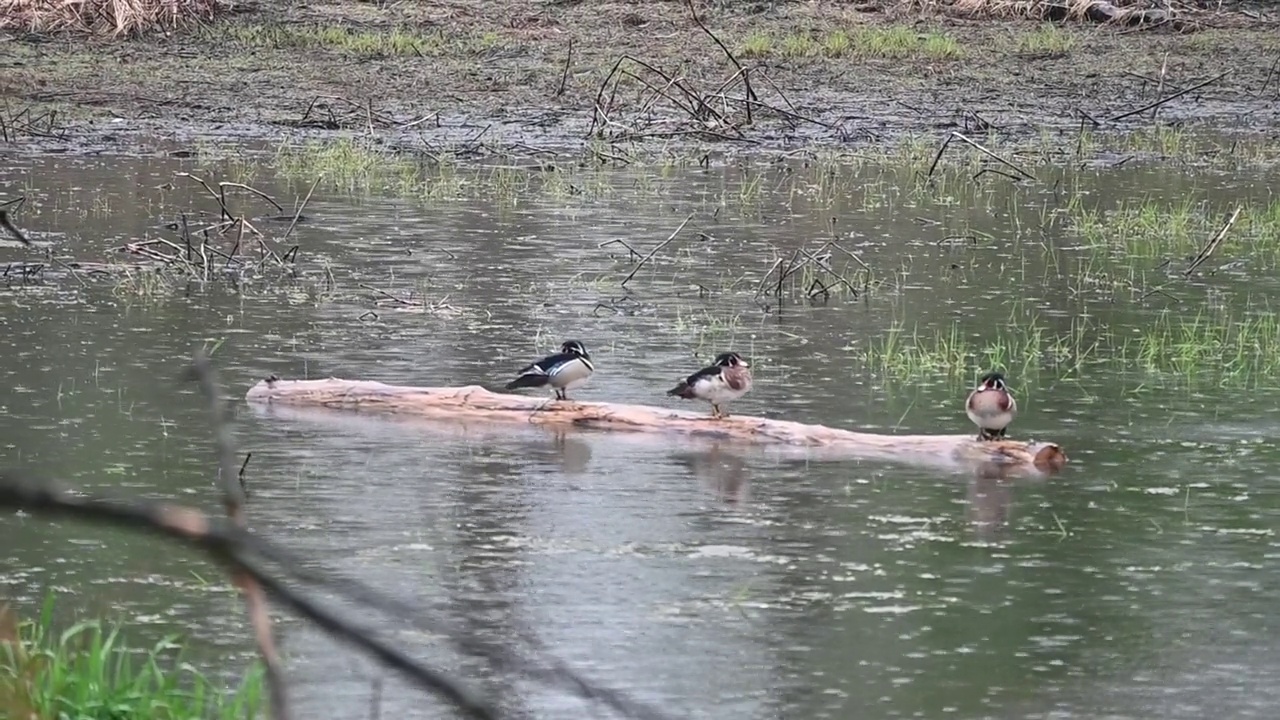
(476, 403)
(812, 273)
(743, 72)
(24, 122)
(231, 249)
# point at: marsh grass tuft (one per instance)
(358, 167)
(893, 42)
(1046, 39)
(88, 672)
(361, 42)
(1240, 349)
(1150, 229)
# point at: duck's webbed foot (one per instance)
(990, 435)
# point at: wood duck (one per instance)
(564, 371)
(725, 380)
(991, 407)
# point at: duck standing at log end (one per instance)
(566, 370)
(991, 407)
(725, 380)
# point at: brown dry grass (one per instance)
(109, 18)
(1036, 9)
(1127, 11)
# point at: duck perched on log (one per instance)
(991, 407)
(566, 370)
(725, 380)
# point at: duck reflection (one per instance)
(990, 498)
(572, 454)
(722, 471)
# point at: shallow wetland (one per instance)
(709, 579)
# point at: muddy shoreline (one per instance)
(475, 78)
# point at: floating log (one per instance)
(478, 404)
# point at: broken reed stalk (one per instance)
(297, 215)
(233, 499)
(661, 245)
(959, 136)
(746, 76)
(1212, 244)
(1174, 96)
(564, 75)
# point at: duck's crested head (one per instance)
(574, 347)
(991, 381)
(731, 359)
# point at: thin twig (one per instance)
(661, 245)
(254, 190)
(240, 475)
(1213, 243)
(938, 157)
(389, 296)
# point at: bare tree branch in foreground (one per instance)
(229, 543)
(255, 599)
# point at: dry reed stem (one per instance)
(111, 18)
(1123, 12)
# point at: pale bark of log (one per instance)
(477, 404)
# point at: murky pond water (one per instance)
(711, 579)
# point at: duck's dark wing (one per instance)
(540, 372)
(548, 364)
(685, 388)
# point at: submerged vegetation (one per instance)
(89, 672)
